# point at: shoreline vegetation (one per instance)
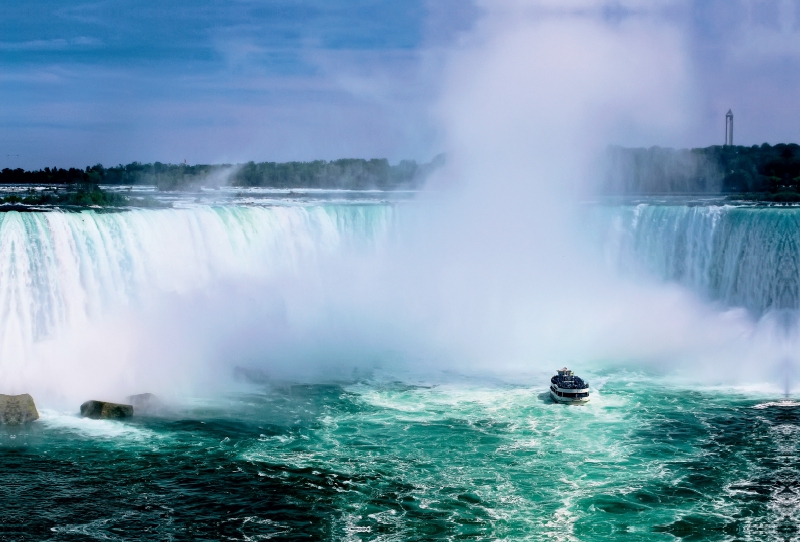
(75, 188)
(347, 174)
(762, 173)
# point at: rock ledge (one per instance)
(98, 410)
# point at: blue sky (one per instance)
(745, 56)
(211, 81)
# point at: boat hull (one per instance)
(569, 400)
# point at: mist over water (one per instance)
(180, 301)
(112, 302)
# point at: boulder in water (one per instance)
(17, 409)
(98, 410)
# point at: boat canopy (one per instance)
(566, 379)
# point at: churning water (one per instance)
(379, 456)
(381, 460)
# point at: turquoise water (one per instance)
(371, 460)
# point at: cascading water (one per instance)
(60, 266)
(60, 271)
(739, 256)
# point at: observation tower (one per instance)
(729, 128)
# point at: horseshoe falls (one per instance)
(59, 268)
(740, 256)
(302, 398)
(76, 275)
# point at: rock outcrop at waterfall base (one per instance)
(17, 409)
(101, 410)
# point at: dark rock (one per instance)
(17, 409)
(97, 410)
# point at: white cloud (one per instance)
(58, 44)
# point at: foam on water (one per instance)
(507, 462)
(785, 403)
(118, 430)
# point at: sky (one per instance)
(117, 81)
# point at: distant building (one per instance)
(729, 128)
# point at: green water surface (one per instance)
(644, 460)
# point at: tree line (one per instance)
(350, 173)
(760, 169)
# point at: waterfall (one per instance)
(62, 268)
(739, 256)
(111, 301)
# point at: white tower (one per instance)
(729, 128)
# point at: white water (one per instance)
(81, 294)
(139, 301)
(166, 300)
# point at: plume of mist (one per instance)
(501, 272)
(533, 98)
(658, 170)
(221, 176)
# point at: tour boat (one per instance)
(565, 387)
